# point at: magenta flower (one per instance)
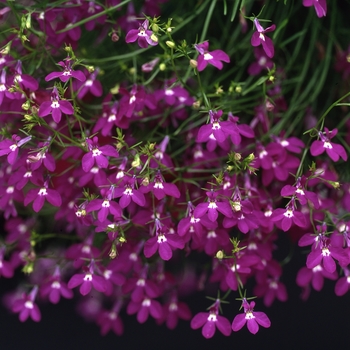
(160, 188)
(128, 193)
(55, 288)
(213, 57)
(26, 307)
(210, 321)
(212, 207)
(97, 154)
(284, 218)
(163, 241)
(324, 254)
(319, 5)
(10, 147)
(143, 36)
(67, 73)
(259, 38)
(38, 197)
(333, 150)
(252, 318)
(56, 106)
(144, 308)
(343, 284)
(87, 281)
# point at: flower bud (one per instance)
(155, 27)
(91, 69)
(26, 105)
(136, 162)
(251, 157)
(154, 38)
(220, 255)
(113, 252)
(196, 104)
(170, 44)
(169, 29)
(162, 67)
(237, 156)
(115, 37)
(193, 63)
(238, 89)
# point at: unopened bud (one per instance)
(91, 69)
(269, 106)
(155, 27)
(145, 181)
(115, 37)
(238, 156)
(193, 63)
(154, 38)
(26, 105)
(251, 157)
(196, 104)
(169, 29)
(136, 162)
(238, 89)
(113, 252)
(170, 44)
(220, 255)
(162, 67)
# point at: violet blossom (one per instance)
(259, 38)
(319, 5)
(143, 35)
(213, 57)
(250, 317)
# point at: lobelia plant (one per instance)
(138, 158)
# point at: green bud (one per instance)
(170, 44)
(162, 67)
(155, 27)
(220, 255)
(26, 105)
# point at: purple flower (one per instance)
(144, 308)
(210, 321)
(343, 284)
(333, 150)
(259, 38)
(91, 85)
(10, 147)
(128, 193)
(160, 188)
(212, 207)
(143, 35)
(55, 288)
(252, 318)
(285, 217)
(25, 79)
(319, 5)
(39, 196)
(56, 106)
(213, 57)
(87, 281)
(67, 73)
(163, 241)
(262, 62)
(97, 154)
(26, 307)
(324, 254)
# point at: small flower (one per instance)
(259, 38)
(27, 308)
(319, 5)
(67, 73)
(97, 154)
(210, 321)
(10, 147)
(253, 319)
(39, 196)
(213, 57)
(143, 35)
(334, 150)
(87, 280)
(56, 106)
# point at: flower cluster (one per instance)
(128, 147)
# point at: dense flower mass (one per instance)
(134, 175)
